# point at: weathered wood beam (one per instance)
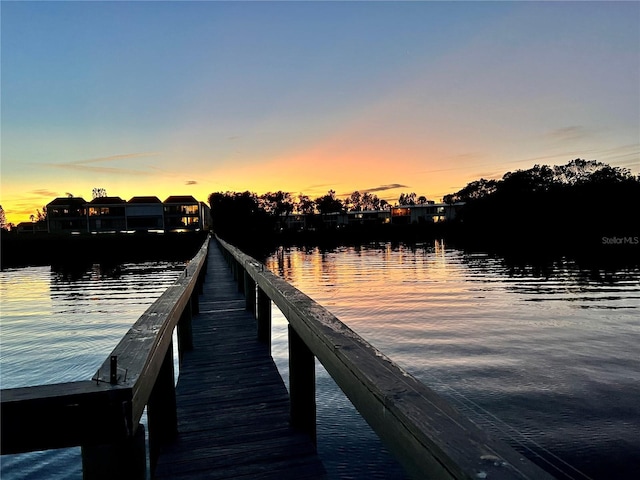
(141, 352)
(302, 385)
(64, 415)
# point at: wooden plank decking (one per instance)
(232, 405)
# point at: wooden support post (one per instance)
(195, 302)
(249, 293)
(240, 276)
(162, 417)
(185, 335)
(302, 385)
(201, 277)
(125, 459)
(264, 318)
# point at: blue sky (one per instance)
(161, 98)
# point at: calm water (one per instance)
(546, 358)
(59, 326)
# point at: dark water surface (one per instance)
(59, 325)
(545, 357)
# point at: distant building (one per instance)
(182, 212)
(145, 214)
(205, 216)
(67, 215)
(107, 214)
(369, 217)
(334, 219)
(427, 213)
(293, 221)
(32, 227)
(113, 214)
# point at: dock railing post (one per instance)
(302, 385)
(195, 302)
(249, 293)
(240, 273)
(162, 417)
(263, 316)
(185, 335)
(125, 459)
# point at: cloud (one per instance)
(190, 182)
(86, 168)
(81, 165)
(44, 193)
(569, 134)
(114, 158)
(382, 188)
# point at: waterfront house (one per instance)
(424, 213)
(32, 227)
(182, 212)
(369, 217)
(293, 221)
(67, 215)
(145, 214)
(335, 219)
(107, 214)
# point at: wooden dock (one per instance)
(232, 405)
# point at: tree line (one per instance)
(583, 200)
(573, 206)
(284, 203)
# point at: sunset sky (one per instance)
(189, 98)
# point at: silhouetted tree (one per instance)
(354, 202)
(98, 193)
(305, 205)
(370, 201)
(3, 219)
(329, 203)
(41, 216)
(238, 217)
(568, 204)
(277, 203)
(407, 199)
(473, 191)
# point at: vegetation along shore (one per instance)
(584, 209)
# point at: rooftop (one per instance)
(182, 199)
(106, 200)
(145, 200)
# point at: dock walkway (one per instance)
(232, 405)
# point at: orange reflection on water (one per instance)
(372, 278)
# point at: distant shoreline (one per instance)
(25, 249)
(594, 250)
(591, 248)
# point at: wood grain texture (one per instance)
(233, 407)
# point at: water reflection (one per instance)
(58, 325)
(536, 353)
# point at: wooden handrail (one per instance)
(142, 349)
(429, 437)
(106, 409)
